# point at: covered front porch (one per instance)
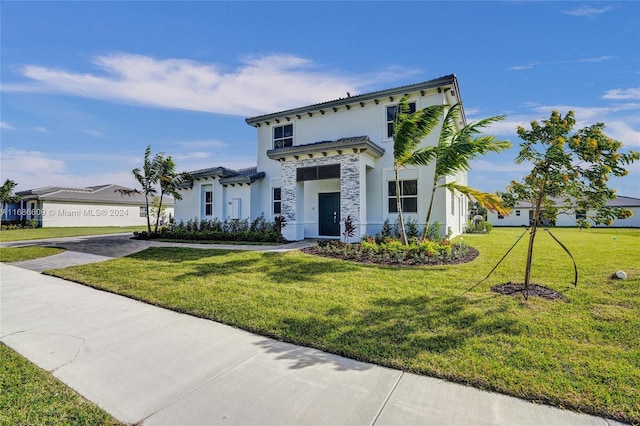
(324, 183)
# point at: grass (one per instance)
(40, 233)
(231, 243)
(16, 254)
(32, 396)
(582, 353)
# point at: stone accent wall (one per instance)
(349, 183)
(350, 187)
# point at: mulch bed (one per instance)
(431, 261)
(535, 290)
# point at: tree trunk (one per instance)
(532, 236)
(146, 200)
(428, 218)
(159, 211)
(403, 234)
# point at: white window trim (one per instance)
(273, 136)
(385, 135)
(417, 196)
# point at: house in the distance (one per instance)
(319, 164)
(522, 215)
(103, 205)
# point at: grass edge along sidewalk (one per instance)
(10, 235)
(580, 352)
(31, 395)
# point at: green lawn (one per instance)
(582, 353)
(31, 396)
(16, 254)
(39, 233)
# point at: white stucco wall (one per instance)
(370, 121)
(563, 219)
(66, 214)
(230, 201)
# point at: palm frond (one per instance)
(411, 129)
(491, 202)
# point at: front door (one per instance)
(329, 214)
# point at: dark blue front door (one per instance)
(329, 214)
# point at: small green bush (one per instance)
(388, 250)
(232, 230)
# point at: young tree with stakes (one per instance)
(570, 173)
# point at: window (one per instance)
(391, 116)
(283, 136)
(143, 211)
(208, 203)
(408, 196)
(277, 200)
(517, 212)
(581, 214)
(500, 216)
(330, 171)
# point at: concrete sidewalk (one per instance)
(146, 364)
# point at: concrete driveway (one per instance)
(98, 248)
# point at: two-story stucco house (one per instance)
(320, 163)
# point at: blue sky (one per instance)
(86, 86)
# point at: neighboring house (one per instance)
(318, 164)
(102, 205)
(522, 215)
(10, 212)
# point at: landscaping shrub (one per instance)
(391, 251)
(232, 230)
(479, 227)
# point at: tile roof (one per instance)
(430, 84)
(227, 176)
(355, 142)
(91, 194)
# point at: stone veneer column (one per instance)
(351, 186)
(292, 231)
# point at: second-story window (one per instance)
(391, 116)
(283, 136)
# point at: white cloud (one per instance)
(587, 11)
(259, 85)
(523, 67)
(618, 94)
(622, 131)
(586, 116)
(505, 165)
(574, 61)
(5, 125)
(94, 133)
(34, 169)
(40, 129)
(204, 143)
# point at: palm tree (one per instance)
(169, 181)
(452, 154)
(147, 177)
(409, 130)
